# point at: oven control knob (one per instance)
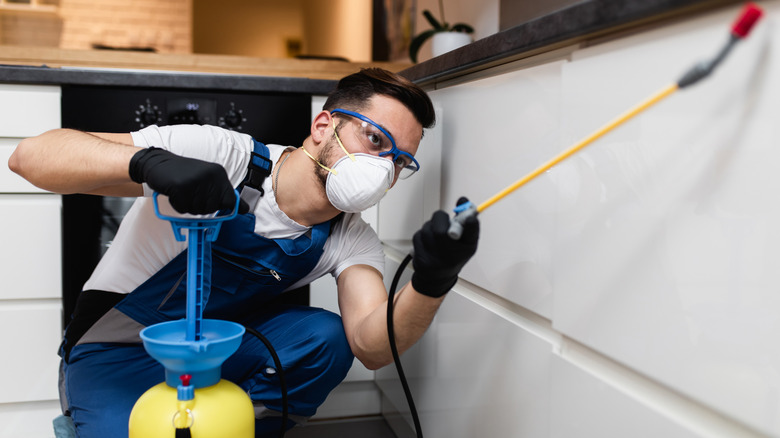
(147, 114)
(233, 118)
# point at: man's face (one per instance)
(392, 116)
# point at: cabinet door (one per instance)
(29, 369)
(28, 110)
(31, 251)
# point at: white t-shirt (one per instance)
(144, 243)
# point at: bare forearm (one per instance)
(68, 161)
(412, 314)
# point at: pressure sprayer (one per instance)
(193, 400)
(739, 30)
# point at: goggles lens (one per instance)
(377, 140)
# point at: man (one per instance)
(298, 224)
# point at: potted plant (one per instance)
(446, 37)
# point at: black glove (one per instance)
(437, 257)
(192, 186)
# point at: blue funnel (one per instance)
(167, 343)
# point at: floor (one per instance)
(374, 427)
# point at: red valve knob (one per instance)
(750, 14)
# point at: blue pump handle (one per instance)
(201, 232)
(211, 223)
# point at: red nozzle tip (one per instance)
(185, 379)
(750, 14)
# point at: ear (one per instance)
(320, 125)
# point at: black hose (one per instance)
(279, 372)
(394, 348)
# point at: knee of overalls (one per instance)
(315, 356)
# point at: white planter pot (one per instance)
(444, 42)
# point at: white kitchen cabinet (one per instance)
(30, 232)
(670, 263)
(496, 130)
(473, 374)
(582, 406)
(28, 110)
(648, 262)
(31, 268)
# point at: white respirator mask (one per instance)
(358, 182)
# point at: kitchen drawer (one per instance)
(28, 110)
(31, 251)
(30, 334)
(28, 420)
(9, 181)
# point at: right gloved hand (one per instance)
(438, 258)
(192, 185)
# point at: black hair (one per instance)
(354, 91)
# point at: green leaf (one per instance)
(418, 41)
(462, 27)
(434, 22)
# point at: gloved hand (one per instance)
(192, 185)
(437, 257)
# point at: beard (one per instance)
(328, 156)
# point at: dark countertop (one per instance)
(582, 22)
(153, 79)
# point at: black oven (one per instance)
(90, 222)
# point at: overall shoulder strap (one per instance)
(259, 167)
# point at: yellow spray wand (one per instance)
(739, 30)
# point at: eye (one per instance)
(374, 138)
(402, 161)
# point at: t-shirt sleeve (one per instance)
(363, 247)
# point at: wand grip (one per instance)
(462, 213)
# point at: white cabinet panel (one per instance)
(30, 254)
(473, 374)
(412, 201)
(28, 420)
(669, 260)
(28, 110)
(495, 131)
(29, 369)
(9, 181)
(582, 406)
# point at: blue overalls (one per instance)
(103, 380)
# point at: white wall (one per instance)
(633, 290)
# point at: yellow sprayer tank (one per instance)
(193, 397)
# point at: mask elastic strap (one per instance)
(318, 162)
(351, 157)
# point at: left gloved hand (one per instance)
(192, 185)
(438, 258)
